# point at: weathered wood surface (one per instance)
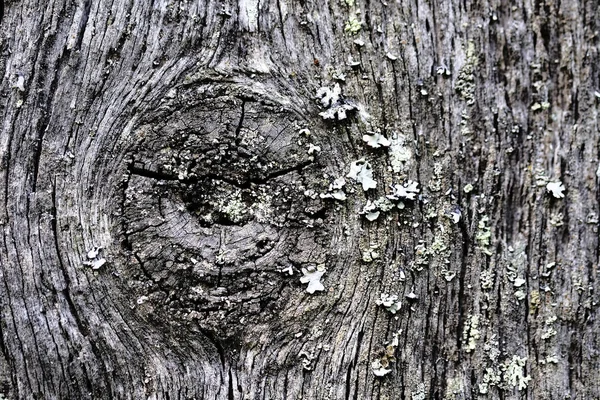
(173, 135)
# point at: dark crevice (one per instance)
(462, 283)
(230, 395)
(238, 129)
(348, 382)
(246, 184)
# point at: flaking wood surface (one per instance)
(172, 135)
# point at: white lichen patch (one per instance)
(338, 76)
(373, 209)
(520, 295)
(332, 100)
(455, 215)
(486, 279)
(519, 282)
(507, 375)
(548, 333)
(19, 83)
(97, 263)
(553, 359)
(471, 333)
(94, 259)
(376, 140)
(420, 393)
(389, 302)
(335, 190)
(514, 375)
(307, 359)
(448, 275)
(312, 149)
(556, 188)
(484, 235)
(407, 191)
(338, 112)
(328, 97)
(381, 365)
(313, 276)
(370, 211)
(361, 172)
(378, 369)
(93, 253)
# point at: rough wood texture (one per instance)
(173, 135)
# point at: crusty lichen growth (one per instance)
(400, 154)
(484, 235)
(381, 366)
(471, 333)
(508, 375)
(465, 82)
(353, 25)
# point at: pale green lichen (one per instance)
(438, 246)
(384, 204)
(373, 209)
(435, 183)
(353, 25)
(371, 254)
(509, 375)
(400, 154)
(421, 256)
(536, 106)
(465, 82)
(454, 388)
(234, 209)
